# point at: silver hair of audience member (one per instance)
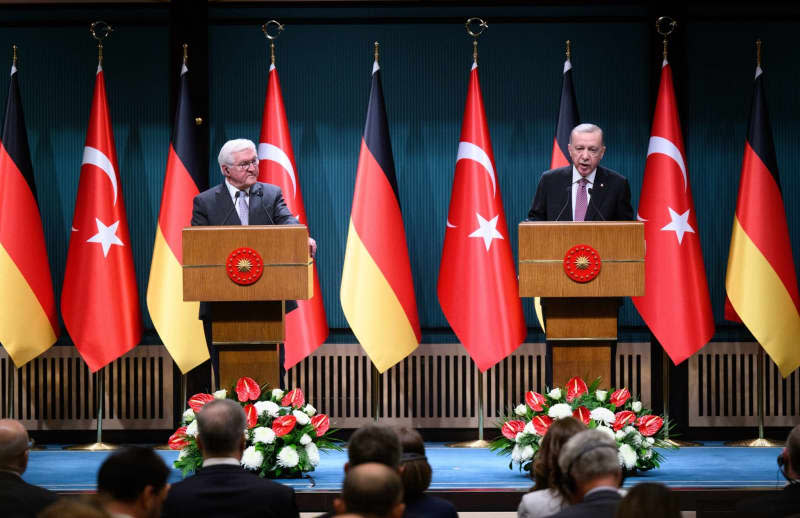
(232, 146)
(588, 455)
(220, 424)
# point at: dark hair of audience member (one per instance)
(372, 489)
(124, 474)
(374, 443)
(416, 473)
(220, 425)
(793, 449)
(651, 500)
(545, 471)
(71, 507)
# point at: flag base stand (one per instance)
(760, 441)
(479, 443)
(677, 443)
(95, 446)
(99, 445)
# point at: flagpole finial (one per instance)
(480, 26)
(185, 53)
(569, 50)
(14, 55)
(377, 51)
(100, 30)
(665, 26)
(758, 52)
(272, 36)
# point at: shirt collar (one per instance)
(232, 190)
(577, 176)
(220, 461)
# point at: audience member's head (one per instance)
(650, 500)
(415, 470)
(374, 443)
(791, 454)
(81, 507)
(545, 471)
(588, 460)
(372, 490)
(220, 429)
(133, 481)
(14, 446)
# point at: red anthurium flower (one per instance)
(511, 428)
(581, 414)
(541, 423)
(178, 440)
(619, 397)
(576, 387)
(247, 389)
(198, 401)
(649, 424)
(535, 401)
(321, 424)
(283, 425)
(252, 416)
(623, 419)
(294, 398)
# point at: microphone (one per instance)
(569, 198)
(260, 194)
(228, 215)
(590, 190)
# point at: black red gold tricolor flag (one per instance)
(175, 320)
(761, 283)
(377, 292)
(28, 319)
(567, 119)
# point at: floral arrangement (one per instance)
(284, 434)
(636, 431)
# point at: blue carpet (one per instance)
(710, 466)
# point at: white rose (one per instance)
(650, 440)
(305, 439)
(191, 430)
(309, 410)
(529, 429)
(516, 454)
(277, 393)
(267, 408)
(221, 394)
(619, 435)
(603, 415)
(263, 434)
(560, 411)
(521, 410)
(606, 430)
(636, 406)
(188, 416)
(313, 453)
(601, 395)
(527, 453)
(637, 439)
(555, 393)
(288, 457)
(627, 457)
(252, 458)
(302, 417)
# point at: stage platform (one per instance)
(710, 477)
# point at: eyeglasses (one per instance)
(593, 151)
(246, 165)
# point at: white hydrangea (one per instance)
(650, 441)
(627, 456)
(288, 457)
(313, 453)
(252, 458)
(521, 410)
(603, 415)
(188, 416)
(629, 429)
(191, 430)
(619, 435)
(220, 394)
(309, 410)
(519, 437)
(277, 393)
(606, 430)
(636, 406)
(267, 408)
(527, 453)
(183, 453)
(263, 434)
(302, 417)
(555, 393)
(637, 439)
(529, 429)
(516, 454)
(305, 439)
(601, 395)
(560, 411)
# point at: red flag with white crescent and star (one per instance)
(99, 301)
(307, 326)
(478, 288)
(676, 305)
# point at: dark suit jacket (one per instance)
(427, 506)
(785, 503)
(18, 499)
(610, 199)
(600, 504)
(229, 491)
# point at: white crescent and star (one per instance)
(487, 230)
(106, 236)
(679, 224)
(271, 152)
(97, 158)
(666, 147)
(469, 151)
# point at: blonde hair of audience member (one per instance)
(81, 507)
(371, 490)
(545, 472)
(651, 500)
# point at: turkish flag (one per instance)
(99, 301)
(478, 287)
(676, 305)
(307, 326)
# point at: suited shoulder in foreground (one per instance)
(18, 498)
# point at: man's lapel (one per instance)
(224, 207)
(566, 188)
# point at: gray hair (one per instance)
(232, 146)
(220, 425)
(588, 455)
(793, 449)
(588, 127)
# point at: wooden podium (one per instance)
(581, 317)
(247, 319)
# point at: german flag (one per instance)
(377, 292)
(176, 321)
(761, 283)
(567, 117)
(28, 320)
